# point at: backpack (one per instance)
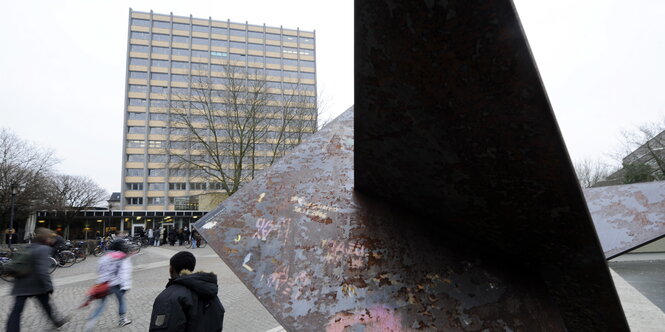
(21, 265)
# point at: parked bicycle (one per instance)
(63, 257)
(200, 243)
(101, 248)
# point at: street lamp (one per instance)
(13, 189)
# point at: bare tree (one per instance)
(27, 166)
(73, 193)
(590, 173)
(643, 153)
(228, 126)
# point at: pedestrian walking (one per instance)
(181, 236)
(36, 284)
(172, 237)
(189, 302)
(151, 238)
(158, 237)
(195, 238)
(187, 234)
(114, 268)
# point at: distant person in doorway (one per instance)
(189, 302)
(172, 236)
(181, 236)
(151, 237)
(195, 238)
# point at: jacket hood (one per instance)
(203, 283)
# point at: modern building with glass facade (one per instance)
(164, 55)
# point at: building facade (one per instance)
(166, 56)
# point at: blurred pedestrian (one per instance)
(189, 302)
(181, 236)
(158, 236)
(38, 283)
(195, 238)
(114, 268)
(151, 237)
(172, 236)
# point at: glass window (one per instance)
(290, 39)
(271, 48)
(138, 48)
(179, 91)
(200, 28)
(255, 47)
(161, 24)
(272, 36)
(179, 78)
(138, 62)
(156, 200)
(219, 54)
(220, 43)
(138, 88)
(140, 35)
(155, 144)
(159, 103)
(156, 172)
(135, 172)
(159, 76)
(307, 63)
(138, 74)
(137, 102)
(136, 157)
(274, 61)
(160, 50)
(220, 31)
(134, 185)
(159, 63)
(235, 32)
(140, 22)
(158, 89)
(159, 116)
(181, 26)
(289, 62)
(254, 34)
(289, 50)
(273, 72)
(157, 158)
(239, 45)
(160, 37)
(199, 41)
(310, 76)
(180, 51)
(177, 185)
(197, 186)
(158, 130)
(136, 116)
(135, 144)
(136, 130)
(181, 39)
(134, 200)
(200, 54)
(305, 40)
(179, 64)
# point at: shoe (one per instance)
(124, 322)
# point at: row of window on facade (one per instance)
(160, 186)
(218, 80)
(233, 45)
(199, 118)
(160, 130)
(219, 68)
(184, 145)
(161, 158)
(182, 201)
(212, 30)
(223, 43)
(139, 88)
(183, 103)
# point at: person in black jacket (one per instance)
(37, 284)
(189, 302)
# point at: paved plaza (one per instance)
(243, 311)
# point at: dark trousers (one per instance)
(14, 321)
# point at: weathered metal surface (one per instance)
(321, 257)
(453, 124)
(627, 216)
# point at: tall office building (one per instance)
(166, 56)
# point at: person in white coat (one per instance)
(114, 268)
(150, 236)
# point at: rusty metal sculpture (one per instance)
(451, 206)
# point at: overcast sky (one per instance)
(62, 67)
